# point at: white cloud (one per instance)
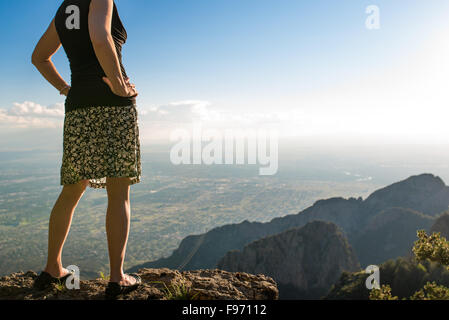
(31, 109)
(157, 123)
(32, 115)
(189, 111)
(181, 111)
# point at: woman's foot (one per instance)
(45, 280)
(125, 285)
(126, 280)
(57, 272)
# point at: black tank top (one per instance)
(87, 86)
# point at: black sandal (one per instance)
(45, 280)
(115, 289)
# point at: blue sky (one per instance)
(241, 56)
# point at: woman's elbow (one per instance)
(35, 58)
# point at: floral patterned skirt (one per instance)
(101, 142)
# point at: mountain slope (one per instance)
(441, 225)
(389, 234)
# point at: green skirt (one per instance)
(101, 142)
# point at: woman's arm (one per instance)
(100, 20)
(47, 46)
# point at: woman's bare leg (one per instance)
(59, 226)
(117, 227)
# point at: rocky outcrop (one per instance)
(306, 260)
(156, 285)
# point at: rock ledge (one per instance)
(207, 284)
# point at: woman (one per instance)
(101, 147)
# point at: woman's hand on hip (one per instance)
(128, 90)
(130, 85)
(65, 91)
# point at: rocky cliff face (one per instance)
(202, 284)
(308, 259)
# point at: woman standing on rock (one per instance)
(101, 147)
